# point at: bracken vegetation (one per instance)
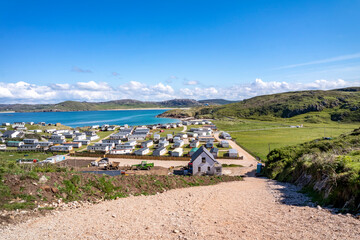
(339, 105)
(327, 169)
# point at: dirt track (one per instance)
(235, 210)
(256, 208)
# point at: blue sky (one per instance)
(153, 50)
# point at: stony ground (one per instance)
(256, 208)
(235, 210)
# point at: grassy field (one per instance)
(259, 137)
(6, 156)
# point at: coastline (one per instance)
(118, 109)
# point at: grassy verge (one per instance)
(22, 186)
(329, 170)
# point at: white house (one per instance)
(182, 135)
(92, 137)
(98, 148)
(14, 143)
(110, 145)
(50, 130)
(140, 137)
(57, 141)
(204, 163)
(2, 147)
(163, 143)
(36, 130)
(233, 153)
(178, 144)
(3, 128)
(125, 146)
(29, 147)
(45, 144)
(83, 142)
(131, 143)
(177, 152)
(205, 139)
(156, 137)
(30, 141)
(114, 141)
(57, 137)
(5, 124)
(194, 144)
(121, 151)
(61, 148)
(169, 137)
(142, 151)
(192, 134)
(73, 144)
(147, 144)
(159, 151)
(224, 144)
(11, 134)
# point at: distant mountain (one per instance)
(336, 105)
(116, 104)
(216, 101)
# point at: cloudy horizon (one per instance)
(22, 92)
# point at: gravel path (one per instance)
(235, 210)
(256, 208)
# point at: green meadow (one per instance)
(260, 136)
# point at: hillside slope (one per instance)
(329, 169)
(337, 105)
(116, 104)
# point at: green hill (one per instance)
(116, 104)
(337, 105)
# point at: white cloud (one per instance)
(190, 82)
(327, 60)
(93, 86)
(23, 92)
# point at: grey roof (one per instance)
(158, 150)
(214, 150)
(142, 149)
(233, 150)
(201, 150)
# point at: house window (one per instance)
(199, 169)
(203, 160)
(209, 169)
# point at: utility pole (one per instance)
(269, 147)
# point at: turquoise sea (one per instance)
(88, 118)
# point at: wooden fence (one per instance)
(148, 157)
